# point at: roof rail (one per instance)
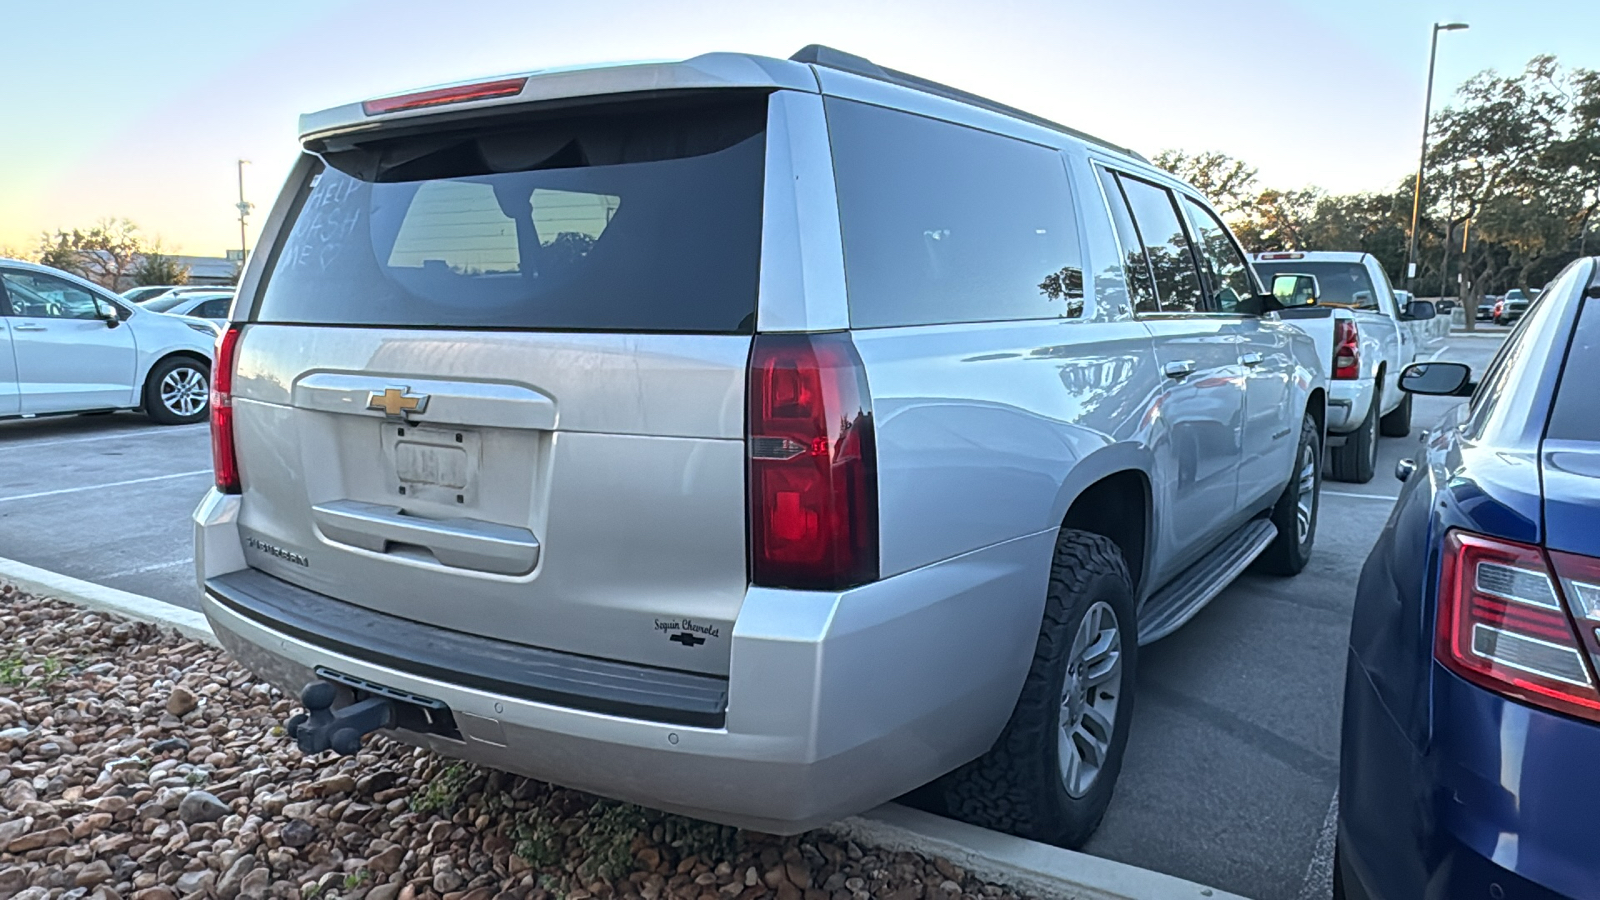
(829, 58)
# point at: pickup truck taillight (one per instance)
(223, 461)
(1503, 625)
(813, 470)
(1346, 350)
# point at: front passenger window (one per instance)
(34, 294)
(1226, 270)
(1166, 245)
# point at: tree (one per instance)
(156, 267)
(106, 253)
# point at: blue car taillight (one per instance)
(1502, 625)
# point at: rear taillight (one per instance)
(223, 460)
(813, 479)
(1502, 625)
(1346, 349)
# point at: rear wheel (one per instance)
(1295, 513)
(1050, 775)
(177, 390)
(1398, 422)
(1357, 459)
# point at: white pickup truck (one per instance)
(1365, 335)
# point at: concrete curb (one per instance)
(35, 580)
(1023, 865)
(1035, 868)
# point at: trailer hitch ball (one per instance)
(321, 727)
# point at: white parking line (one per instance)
(1318, 882)
(151, 568)
(181, 429)
(1328, 493)
(96, 487)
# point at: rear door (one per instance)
(1201, 397)
(495, 379)
(67, 356)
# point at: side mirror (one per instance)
(1419, 311)
(111, 314)
(1292, 290)
(1438, 379)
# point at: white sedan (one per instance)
(211, 305)
(74, 347)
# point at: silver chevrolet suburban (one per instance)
(753, 439)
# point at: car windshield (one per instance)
(1341, 283)
(1513, 296)
(163, 302)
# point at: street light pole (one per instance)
(244, 208)
(1427, 113)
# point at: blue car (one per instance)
(1471, 742)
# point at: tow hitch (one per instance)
(364, 707)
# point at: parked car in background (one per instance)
(1471, 715)
(1365, 336)
(140, 294)
(727, 526)
(1511, 307)
(67, 345)
(1486, 308)
(211, 305)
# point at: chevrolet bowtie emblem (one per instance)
(397, 402)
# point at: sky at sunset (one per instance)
(140, 110)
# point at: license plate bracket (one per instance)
(432, 463)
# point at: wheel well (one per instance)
(1116, 507)
(1317, 406)
(176, 354)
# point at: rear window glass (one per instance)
(944, 223)
(1342, 283)
(645, 221)
(1576, 415)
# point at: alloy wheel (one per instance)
(184, 392)
(1089, 699)
(1306, 499)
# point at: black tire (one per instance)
(176, 409)
(1290, 551)
(1357, 459)
(1398, 422)
(1018, 786)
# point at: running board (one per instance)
(1178, 602)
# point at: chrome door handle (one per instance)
(458, 543)
(1252, 359)
(1180, 369)
(28, 328)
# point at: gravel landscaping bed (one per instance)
(135, 763)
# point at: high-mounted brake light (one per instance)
(1346, 350)
(224, 462)
(1502, 624)
(813, 471)
(484, 90)
(1281, 255)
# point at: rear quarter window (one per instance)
(1576, 413)
(646, 219)
(944, 223)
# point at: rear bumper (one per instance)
(1348, 402)
(1504, 795)
(835, 702)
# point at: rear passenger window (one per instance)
(1166, 244)
(1576, 415)
(1226, 270)
(944, 223)
(1136, 266)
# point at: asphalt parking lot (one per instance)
(1233, 760)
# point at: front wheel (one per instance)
(177, 391)
(1295, 513)
(1050, 775)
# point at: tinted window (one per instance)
(1136, 267)
(1228, 275)
(1166, 245)
(944, 223)
(1342, 283)
(35, 294)
(1576, 414)
(645, 220)
(213, 309)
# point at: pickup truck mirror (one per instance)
(1292, 290)
(1439, 379)
(1418, 311)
